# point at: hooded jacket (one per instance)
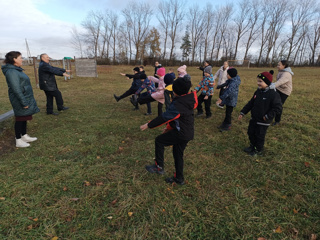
(264, 103)
(158, 95)
(20, 91)
(179, 116)
(47, 80)
(221, 75)
(230, 95)
(284, 81)
(136, 82)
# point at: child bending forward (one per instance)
(179, 119)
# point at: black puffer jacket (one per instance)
(136, 83)
(179, 116)
(264, 103)
(47, 80)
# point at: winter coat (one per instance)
(230, 95)
(47, 79)
(264, 103)
(136, 83)
(158, 95)
(206, 86)
(20, 91)
(179, 116)
(149, 85)
(221, 75)
(156, 69)
(284, 81)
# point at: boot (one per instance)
(26, 138)
(21, 144)
(116, 97)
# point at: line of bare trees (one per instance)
(262, 31)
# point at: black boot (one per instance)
(248, 149)
(116, 98)
(175, 180)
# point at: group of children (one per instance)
(180, 104)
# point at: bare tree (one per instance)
(92, 25)
(301, 13)
(196, 29)
(208, 22)
(224, 24)
(138, 18)
(253, 25)
(314, 37)
(242, 23)
(278, 13)
(76, 41)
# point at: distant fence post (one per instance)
(86, 67)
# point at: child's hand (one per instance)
(219, 101)
(240, 117)
(144, 127)
(206, 97)
(122, 74)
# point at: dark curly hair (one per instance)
(9, 58)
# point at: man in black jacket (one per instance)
(48, 84)
(179, 118)
(264, 105)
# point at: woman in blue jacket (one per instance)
(21, 97)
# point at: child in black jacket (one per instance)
(136, 84)
(264, 105)
(179, 118)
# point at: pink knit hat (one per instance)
(161, 71)
(182, 68)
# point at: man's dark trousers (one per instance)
(54, 94)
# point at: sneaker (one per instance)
(255, 153)
(154, 169)
(147, 114)
(116, 97)
(21, 144)
(219, 105)
(248, 149)
(64, 108)
(135, 109)
(224, 127)
(199, 114)
(275, 123)
(175, 180)
(53, 113)
(26, 138)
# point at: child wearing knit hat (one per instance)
(205, 86)
(229, 97)
(179, 119)
(264, 105)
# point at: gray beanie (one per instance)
(208, 69)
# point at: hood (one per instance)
(187, 100)
(236, 79)
(7, 67)
(288, 69)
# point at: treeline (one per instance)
(262, 31)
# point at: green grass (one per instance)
(228, 194)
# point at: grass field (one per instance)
(85, 178)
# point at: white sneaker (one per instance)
(21, 144)
(26, 138)
(219, 106)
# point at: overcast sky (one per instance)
(46, 24)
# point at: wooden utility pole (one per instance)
(35, 71)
